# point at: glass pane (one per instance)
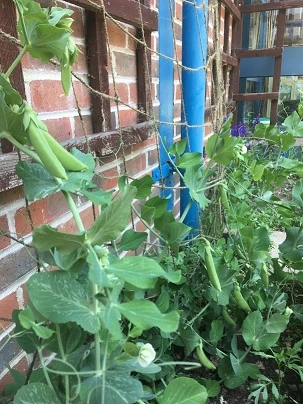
(259, 30)
(294, 27)
(291, 90)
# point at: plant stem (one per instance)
(47, 378)
(185, 211)
(104, 368)
(148, 226)
(62, 353)
(198, 315)
(15, 62)
(27, 41)
(74, 210)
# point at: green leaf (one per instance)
(131, 240)
(36, 393)
(159, 204)
(98, 197)
(217, 330)
(113, 219)
(292, 247)
(189, 159)
(60, 298)
(144, 186)
(297, 193)
(252, 327)
(277, 323)
(85, 158)
(257, 172)
(96, 272)
(163, 301)
(220, 148)
(184, 390)
(37, 182)
(145, 314)
(147, 213)
(11, 121)
(46, 40)
(42, 332)
(213, 387)
(178, 148)
(46, 237)
(190, 339)
(12, 97)
(26, 318)
(119, 389)
(195, 178)
(174, 232)
(141, 272)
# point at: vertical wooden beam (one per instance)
(9, 51)
(96, 42)
(236, 44)
(143, 58)
(281, 19)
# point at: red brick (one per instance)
(11, 195)
(116, 36)
(21, 366)
(139, 226)
(142, 145)
(136, 165)
(122, 92)
(178, 11)
(133, 93)
(80, 65)
(82, 94)
(83, 127)
(125, 64)
(131, 42)
(4, 241)
(38, 211)
(68, 227)
(59, 128)
(28, 62)
(77, 26)
(56, 206)
(48, 95)
(7, 304)
(108, 179)
(128, 117)
(87, 217)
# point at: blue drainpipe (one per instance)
(166, 97)
(194, 55)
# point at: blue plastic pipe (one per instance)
(194, 55)
(166, 92)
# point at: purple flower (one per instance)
(256, 121)
(239, 130)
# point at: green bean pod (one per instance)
(44, 151)
(68, 161)
(223, 197)
(264, 275)
(241, 302)
(227, 318)
(203, 358)
(211, 269)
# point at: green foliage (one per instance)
(205, 298)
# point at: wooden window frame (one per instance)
(276, 52)
(104, 140)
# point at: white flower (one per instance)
(146, 355)
(244, 149)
